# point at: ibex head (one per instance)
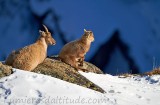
(47, 36)
(88, 35)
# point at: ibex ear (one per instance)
(85, 30)
(42, 33)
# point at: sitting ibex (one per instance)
(74, 52)
(29, 57)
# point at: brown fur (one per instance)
(29, 57)
(74, 52)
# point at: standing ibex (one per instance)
(74, 52)
(29, 57)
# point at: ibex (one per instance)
(29, 57)
(73, 53)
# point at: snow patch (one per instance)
(23, 87)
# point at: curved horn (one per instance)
(85, 30)
(45, 28)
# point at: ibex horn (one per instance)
(45, 28)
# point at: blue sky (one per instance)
(137, 21)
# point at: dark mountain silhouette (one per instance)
(103, 55)
(56, 21)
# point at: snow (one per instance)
(27, 88)
(129, 91)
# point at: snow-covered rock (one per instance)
(27, 88)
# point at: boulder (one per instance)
(56, 68)
(5, 70)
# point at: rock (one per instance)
(155, 71)
(63, 71)
(5, 70)
(87, 67)
(91, 68)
